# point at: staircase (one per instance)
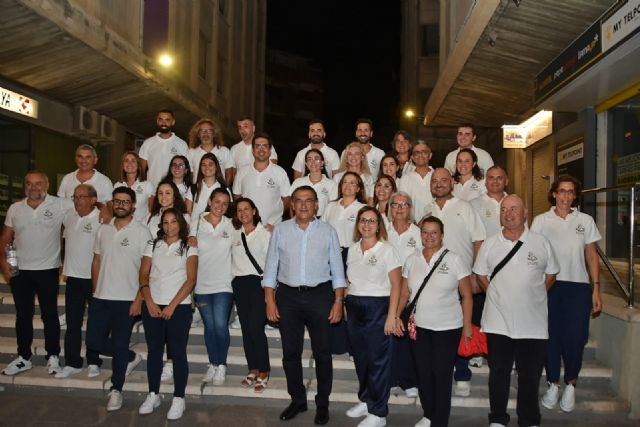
(594, 393)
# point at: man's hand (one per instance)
(335, 315)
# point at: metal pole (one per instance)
(632, 224)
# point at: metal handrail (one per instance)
(630, 291)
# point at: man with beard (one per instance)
(34, 225)
(465, 137)
(156, 152)
(364, 133)
(86, 159)
(242, 152)
(114, 272)
(316, 140)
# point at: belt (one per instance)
(306, 288)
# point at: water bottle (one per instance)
(12, 259)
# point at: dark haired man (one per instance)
(466, 136)
(317, 135)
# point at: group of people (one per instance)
(198, 225)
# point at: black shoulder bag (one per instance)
(505, 260)
(248, 252)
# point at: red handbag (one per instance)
(476, 345)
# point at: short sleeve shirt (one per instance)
(405, 243)
(79, 239)
(488, 209)
(484, 159)
(419, 189)
(222, 153)
(158, 153)
(368, 271)
(470, 190)
(343, 220)
(331, 159)
(258, 243)
(98, 181)
(266, 188)
(326, 189)
(214, 252)
(168, 270)
(144, 191)
(242, 155)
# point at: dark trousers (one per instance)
(434, 353)
(403, 371)
(529, 357)
(108, 332)
(24, 288)
(569, 314)
(77, 294)
(175, 333)
(249, 297)
(371, 350)
(298, 308)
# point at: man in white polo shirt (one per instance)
(86, 159)
(488, 205)
(466, 136)
(417, 182)
(34, 225)
(263, 182)
(242, 152)
(157, 151)
(316, 140)
(515, 314)
(115, 271)
(364, 133)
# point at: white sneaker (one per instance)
(373, 421)
(132, 365)
(568, 400)
(53, 365)
(17, 366)
(115, 401)
(167, 371)
(236, 323)
(220, 376)
(411, 392)
(476, 362)
(150, 403)
(210, 374)
(177, 408)
(424, 422)
(196, 318)
(462, 388)
(497, 425)
(550, 398)
(268, 327)
(357, 411)
(67, 371)
(93, 371)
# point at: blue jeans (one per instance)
(215, 310)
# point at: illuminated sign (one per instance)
(528, 132)
(18, 103)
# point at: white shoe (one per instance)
(115, 401)
(568, 400)
(357, 411)
(167, 371)
(497, 425)
(177, 408)
(53, 365)
(67, 371)
(18, 365)
(373, 421)
(210, 374)
(93, 371)
(411, 392)
(462, 388)
(550, 398)
(424, 422)
(62, 319)
(132, 365)
(220, 376)
(150, 403)
(196, 319)
(268, 327)
(236, 323)
(476, 362)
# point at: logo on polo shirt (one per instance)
(474, 186)
(324, 191)
(443, 269)
(139, 189)
(88, 228)
(580, 229)
(411, 243)
(352, 218)
(373, 260)
(174, 150)
(532, 259)
(48, 214)
(225, 235)
(125, 242)
(271, 183)
(488, 213)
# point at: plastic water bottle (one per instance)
(12, 259)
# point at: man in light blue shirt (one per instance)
(304, 261)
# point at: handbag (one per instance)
(505, 260)
(408, 314)
(248, 252)
(477, 344)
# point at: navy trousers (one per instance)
(77, 295)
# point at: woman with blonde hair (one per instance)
(354, 160)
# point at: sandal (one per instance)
(249, 380)
(261, 384)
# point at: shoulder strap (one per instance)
(248, 252)
(426, 279)
(505, 260)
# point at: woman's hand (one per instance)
(153, 309)
(596, 301)
(399, 327)
(390, 325)
(135, 309)
(167, 312)
(467, 332)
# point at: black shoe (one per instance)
(322, 415)
(292, 410)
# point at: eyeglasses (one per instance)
(122, 202)
(257, 146)
(208, 131)
(400, 205)
(367, 221)
(178, 165)
(314, 159)
(76, 198)
(421, 152)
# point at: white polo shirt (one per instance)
(168, 270)
(462, 227)
(343, 220)
(326, 189)
(419, 189)
(120, 256)
(488, 209)
(37, 231)
(98, 181)
(153, 223)
(405, 243)
(258, 243)
(144, 191)
(516, 304)
(203, 200)
(242, 155)
(484, 159)
(568, 237)
(222, 153)
(368, 181)
(79, 239)
(368, 271)
(331, 159)
(470, 190)
(438, 307)
(158, 153)
(265, 188)
(214, 251)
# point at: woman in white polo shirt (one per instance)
(180, 174)
(167, 277)
(209, 177)
(167, 196)
(373, 271)
(440, 318)
(384, 188)
(354, 160)
(316, 177)
(133, 177)
(573, 236)
(469, 180)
